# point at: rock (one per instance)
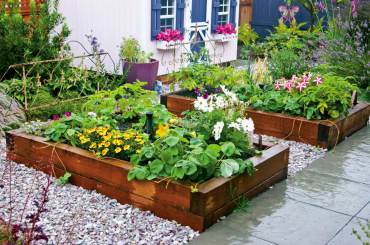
(11, 112)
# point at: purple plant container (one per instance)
(146, 72)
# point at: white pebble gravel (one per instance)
(78, 216)
(300, 155)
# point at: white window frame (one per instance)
(227, 13)
(171, 16)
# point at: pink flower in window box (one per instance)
(168, 39)
(225, 33)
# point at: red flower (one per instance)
(226, 29)
(55, 117)
(170, 35)
(67, 114)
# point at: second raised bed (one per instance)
(322, 133)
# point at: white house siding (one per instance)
(111, 20)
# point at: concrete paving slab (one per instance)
(365, 213)
(350, 160)
(329, 192)
(278, 219)
(346, 237)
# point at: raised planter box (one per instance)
(174, 200)
(323, 133)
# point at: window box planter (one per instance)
(174, 200)
(163, 45)
(323, 133)
(223, 38)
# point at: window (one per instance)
(168, 14)
(223, 12)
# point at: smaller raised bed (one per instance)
(171, 200)
(323, 133)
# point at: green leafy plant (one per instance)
(131, 51)
(329, 100)
(63, 180)
(311, 96)
(128, 104)
(365, 228)
(37, 38)
(246, 35)
(67, 128)
(207, 75)
(285, 63)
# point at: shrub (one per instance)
(38, 38)
(285, 63)
(246, 35)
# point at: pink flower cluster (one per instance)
(226, 29)
(298, 83)
(170, 35)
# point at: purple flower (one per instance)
(67, 114)
(205, 95)
(55, 117)
(354, 7)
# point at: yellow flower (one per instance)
(105, 151)
(138, 151)
(162, 131)
(141, 142)
(126, 147)
(107, 144)
(193, 134)
(101, 144)
(117, 142)
(107, 137)
(173, 120)
(93, 145)
(118, 150)
(126, 136)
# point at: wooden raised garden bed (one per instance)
(323, 133)
(171, 200)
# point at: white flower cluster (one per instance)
(245, 125)
(217, 130)
(216, 101)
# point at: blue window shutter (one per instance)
(180, 7)
(215, 5)
(233, 5)
(156, 18)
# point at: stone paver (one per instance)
(328, 192)
(345, 237)
(320, 205)
(365, 212)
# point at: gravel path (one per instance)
(78, 216)
(300, 155)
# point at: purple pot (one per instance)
(146, 72)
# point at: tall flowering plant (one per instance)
(226, 29)
(170, 35)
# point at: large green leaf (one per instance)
(229, 167)
(228, 148)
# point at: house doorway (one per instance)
(199, 25)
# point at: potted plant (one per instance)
(137, 64)
(225, 33)
(169, 39)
